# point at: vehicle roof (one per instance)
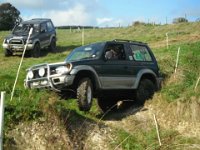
(37, 20)
(128, 41)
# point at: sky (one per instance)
(107, 13)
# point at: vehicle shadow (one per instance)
(120, 112)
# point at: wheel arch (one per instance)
(36, 41)
(146, 74)
(86, 73)
(52, 37)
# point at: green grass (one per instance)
(142, 140)
(28, 105)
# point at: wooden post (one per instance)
(177, 59)
(1, 118)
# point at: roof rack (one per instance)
(122, 40)
(40, 19)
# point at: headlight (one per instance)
(30, 41)
(6, 41)
(41, 72)
(64, 69)
(30, 74)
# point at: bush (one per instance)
(137, 23)
(179, 20)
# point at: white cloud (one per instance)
(111, 22)
(101, 21)
(66, 12)
(76, 15)
(27, 3)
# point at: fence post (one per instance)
(195, 88)
(1, 118)
(177, 59)
(83, 36)
(23, 54)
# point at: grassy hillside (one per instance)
(48, 120)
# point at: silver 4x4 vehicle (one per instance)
(44, 35)
(109, 71)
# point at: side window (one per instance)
(43, 28)
(49, 26)
(115, 52)
(140, 53)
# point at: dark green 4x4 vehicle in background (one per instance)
(110, 71)
(44, 35)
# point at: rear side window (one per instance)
(50, 26)
(140, 53)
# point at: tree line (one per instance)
(9, 16)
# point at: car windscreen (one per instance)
(25, 28)
(92, 51)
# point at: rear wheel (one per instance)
(85, 94)
(52, 46)
(36, 51)
(8, 53)
(145, 91)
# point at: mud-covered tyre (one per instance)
(145, 91)
(7, 53)
(106, 104)
(52, 46)
(85, 94)
(36, 51)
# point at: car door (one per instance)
(113, 72)
(44, 36)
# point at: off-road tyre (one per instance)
(52, 46)
(106, 104)
(7, 53)
(36, 51)
(144, 92)
(85, 94)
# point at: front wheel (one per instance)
(85, 94)
(145, 91)
(36, 51)
(8, 53)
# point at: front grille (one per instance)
(52, 70)
(16, 41)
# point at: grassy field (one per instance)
(177, 105)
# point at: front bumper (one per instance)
(17, 48)
(54, 82)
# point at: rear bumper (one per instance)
(159, 83)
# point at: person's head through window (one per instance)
(111, 54)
